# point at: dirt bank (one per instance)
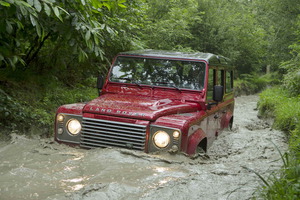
(42, 169)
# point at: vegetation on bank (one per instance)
(29, 106)
(283, 104)
(285, 109)
(248, 84)
(277, 103)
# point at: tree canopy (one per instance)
(50, 35)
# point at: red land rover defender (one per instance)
(154, 101)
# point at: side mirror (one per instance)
(100, 83)
(218, 93)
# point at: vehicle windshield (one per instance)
(159, 72)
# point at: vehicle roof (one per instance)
(210, 58)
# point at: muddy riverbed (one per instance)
(43, 169)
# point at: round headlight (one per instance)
(161, 139)
(74, 126)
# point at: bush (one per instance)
(11, 111)
(287, 185)
(295, 142)
(277, 103)
(30, 107)
(291, 79)
(253, 83)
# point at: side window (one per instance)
(221, 78)
(211, 83)
(229, 81)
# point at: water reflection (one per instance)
(77, 187)
(78, 181)
(161, 169)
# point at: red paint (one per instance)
(138, 107)
(75, 108)
(154, 106)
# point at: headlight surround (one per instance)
(161, 139)
(73, 126)
(164, 138)
(68, 128)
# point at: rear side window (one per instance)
(221, 78)
(229, 82)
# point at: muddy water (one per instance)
(42, 169)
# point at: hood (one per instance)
(138, 107)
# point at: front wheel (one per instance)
(199, 153)
(199, 150)
(229, 128)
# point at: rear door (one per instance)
(213, 119)
(227, 110)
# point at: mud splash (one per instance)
(43, 169)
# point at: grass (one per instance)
(284, 184)
(276, 103)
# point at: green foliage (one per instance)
(79, 25)
(20, 111)
(50, 35)
(278, 18)
(286, 184)
(50, 49)
(277, 103)
(291, 80)
(283, 104)
(288, 114)
(168, 24)
(295, 141)
(248, 32)
(230, 29)
(253, 83)
(11, 111)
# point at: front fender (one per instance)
(194, 140)
(75, 108)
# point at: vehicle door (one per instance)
(227, 108)
(214, 113)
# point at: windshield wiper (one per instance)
(136, 84)
(126, 79)
(177, 88)
(166, 83)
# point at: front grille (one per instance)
(103, 133)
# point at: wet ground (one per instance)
(43, 169)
